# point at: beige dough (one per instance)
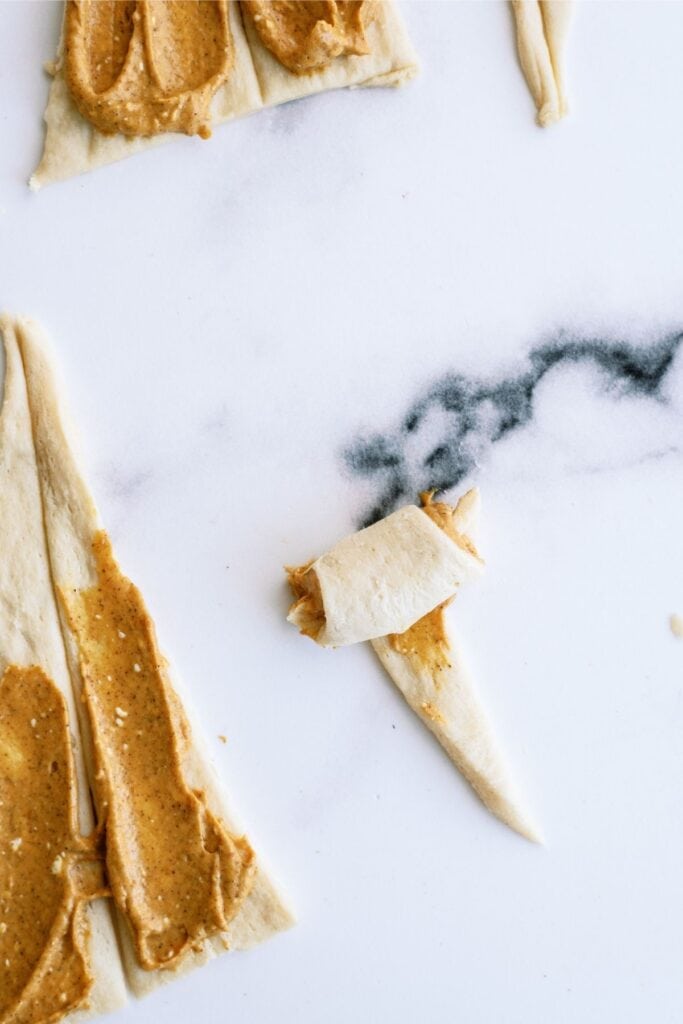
(73, 146)
(390, 583)
(386, 577)
(70, 522)
(448, 704)
(441, 693)
(542, 27)
(30, 632)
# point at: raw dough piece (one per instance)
(382, 579)
(73, 146)
(400, 574)
(307, 37)
(30, 633)
(71, 523)
(391, 61)
(436, 685)
(542, 27)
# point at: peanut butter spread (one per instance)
(442, 514)
(48, 871)
(305, 587)
(427, 642)
(176, 873)
(430, 711)
(306, 35)
(143, 67)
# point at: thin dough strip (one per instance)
(440, 692)
(30, 633)
(542, 27)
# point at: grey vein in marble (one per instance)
(446, 432)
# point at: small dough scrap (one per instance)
(542, 27)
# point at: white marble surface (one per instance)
(230, 316)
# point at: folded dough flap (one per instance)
(130, 713)
(434, 682)
(380, 580)
(79, 933)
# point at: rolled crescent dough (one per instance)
(73, 146)
(70, 523)
(384, 578)
(390, 583)
(30, 632)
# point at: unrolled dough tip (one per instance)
(533, 835)
(523, 828)
(548, 114)
(508, 811)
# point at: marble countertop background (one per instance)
(268, 338)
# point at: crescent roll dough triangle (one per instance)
(30, 634)
(440, 692)
(73, 146)
(72, 529)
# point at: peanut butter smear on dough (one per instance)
(428, 632)
(305, 587)
(48, 871)
(426, 641)
(176, 873)
(143, 67)
(306, 35)
(442, 514)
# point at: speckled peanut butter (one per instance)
(306, 590)
(306, 35)
(48, 871)
(427, 642)
(175, 872)
(143, 67)
(428, 635)
(442, 513)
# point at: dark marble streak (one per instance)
(477, 413)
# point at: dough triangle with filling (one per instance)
(113, 660)
(257, 80)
